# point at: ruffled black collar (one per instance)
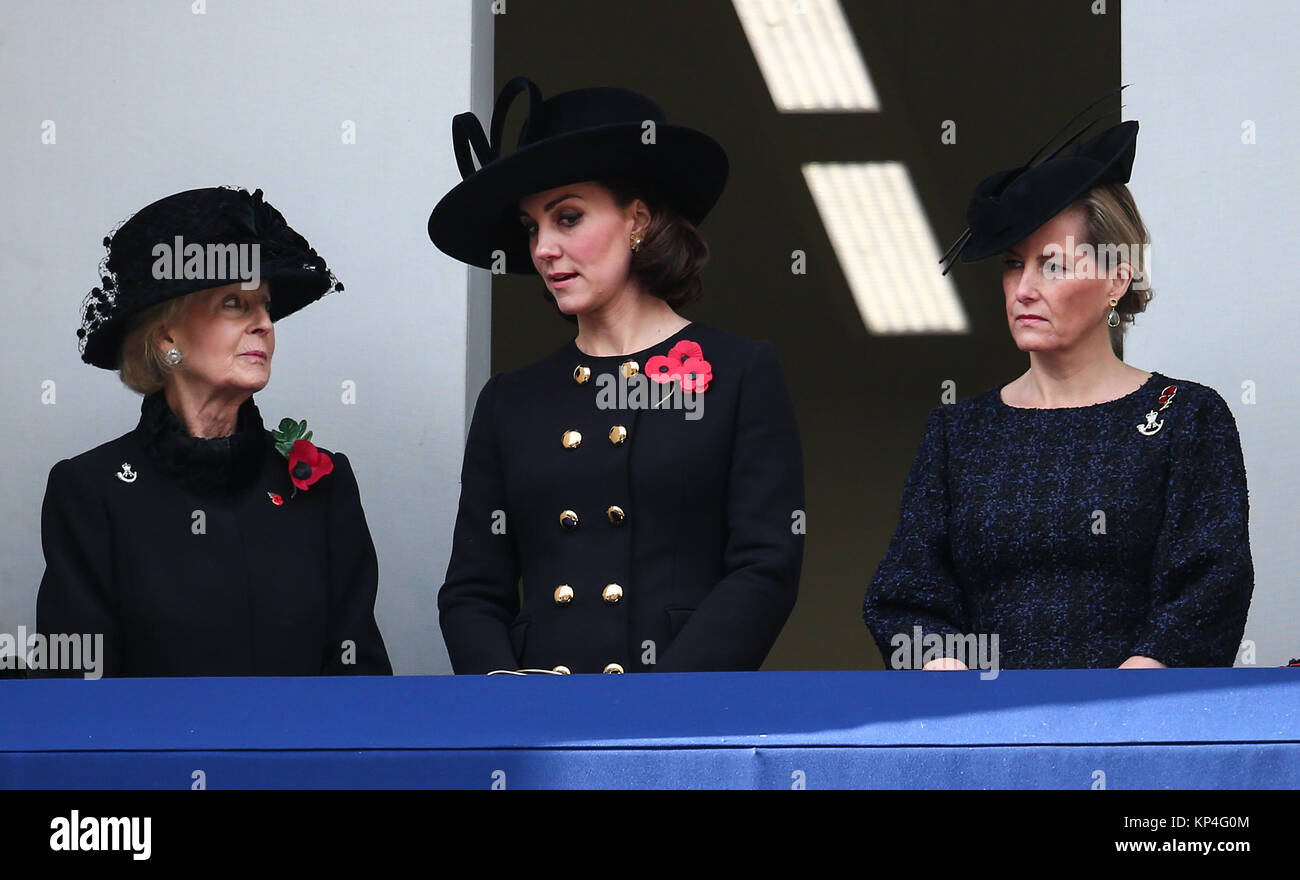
(201, 465)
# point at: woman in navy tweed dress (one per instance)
(1088, 513)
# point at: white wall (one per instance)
(150, 98)
(1224, 222)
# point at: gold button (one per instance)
(581, 373)
(616, 515)
(563, 670)
(571, 439)
(611, 594)
(613, 669)
(617, 435)
(563, 594)
(568, 520)
(629, 369)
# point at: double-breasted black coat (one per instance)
(630, 537)
(195, 557)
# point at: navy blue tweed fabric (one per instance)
(1076, 538)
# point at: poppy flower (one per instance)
(685, 349)
(696, 374)
(684, 361)
(661, 369)
(307, 464)
(275, 498)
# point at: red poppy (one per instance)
(1168, 394)
(660, 369)
(307, 464)
(275, 499)
(685, 362)
(696, 374)
(685, 349)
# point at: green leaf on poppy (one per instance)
(289, 433)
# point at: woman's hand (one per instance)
(1137, 661)
(948, 663)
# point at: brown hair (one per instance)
(140, 363)
(671, 259)
(1114, 228)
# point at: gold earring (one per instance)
(1112, 319)
(637, 238)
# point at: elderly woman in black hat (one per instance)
(1088, 513)
(634, 501)
(199, 543)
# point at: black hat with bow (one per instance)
(596, 134)
(190, 241)
(1008, 206)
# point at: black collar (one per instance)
(202, 465)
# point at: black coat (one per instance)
(191, 568)
(708, 552)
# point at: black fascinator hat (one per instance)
(587, 134)
(1008, 206)
(190, 241)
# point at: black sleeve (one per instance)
(480, 594)
(77, 594)
(1202, 573)
(736, 625)
(914, 584)
(355, 646)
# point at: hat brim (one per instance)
(477, 222)
(1092, 174)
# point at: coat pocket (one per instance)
(677, 617)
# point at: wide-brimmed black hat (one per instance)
(600, 134)
(1008, 206)
(152, 258)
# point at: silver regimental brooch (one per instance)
(1154, 423)
(126, 475)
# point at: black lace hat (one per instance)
(1008, 206)
(587, 134)
(190, 241)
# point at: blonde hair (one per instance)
(140, 363)
(1113, 226)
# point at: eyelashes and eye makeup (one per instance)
(1051, 268)
(244, 302)
(565, 218)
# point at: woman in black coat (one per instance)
(644, 483)
(199, 543)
